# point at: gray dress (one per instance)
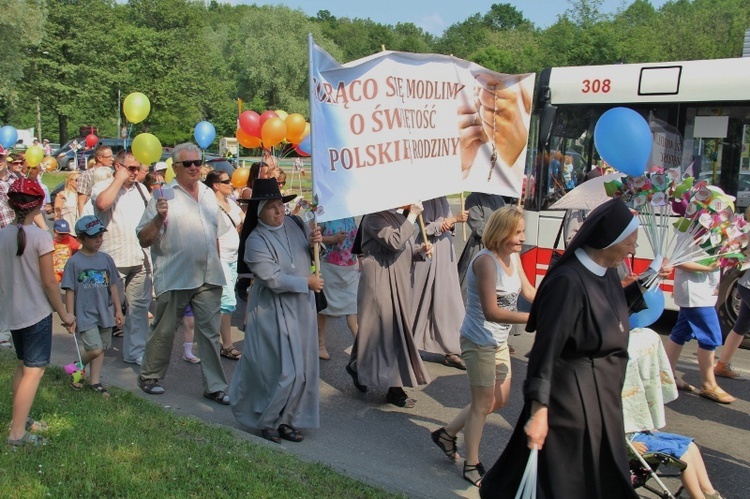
(480, 206)
(438, 310)
(384, 353)
(276, 380)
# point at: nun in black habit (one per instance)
(572, 410)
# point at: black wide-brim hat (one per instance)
(266, 189)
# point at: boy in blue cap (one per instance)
(90, 284)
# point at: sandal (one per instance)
(684, 386)
(454, 360)
(231, 353)
(6, 344)
(150, 386)
(34, 425)
(191, 360)
(76, 385)
(473, 473)
(717, 395)
(271, 434)
(290, 433)
(28, 439)
(446, 443)
(99, 388)
(219, 397)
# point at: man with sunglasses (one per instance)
(119, 203)
(182, 227)
(103, 158)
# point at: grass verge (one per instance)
(129, 447)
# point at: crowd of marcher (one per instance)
(128, 244)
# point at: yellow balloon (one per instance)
(146, 148)
(169, 161)
(34, 156)
(136, 107)
(169, 174)
(306, 132)
(281, 114)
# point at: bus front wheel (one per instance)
(728, 304)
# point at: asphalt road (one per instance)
(390, 447)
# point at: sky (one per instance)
(434, 16)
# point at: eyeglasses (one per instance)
(133, 169)
(107, 157)
(225, 181)
(191, 162)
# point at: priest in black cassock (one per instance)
(573, 410)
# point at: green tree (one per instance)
(505, 17)
(21, 28)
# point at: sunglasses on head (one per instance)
(192, 162)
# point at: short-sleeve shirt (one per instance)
(122, 218)
(695, 289)
(23, 302)
(340, 254)
(185, 253)
(64, 249)
(90, 277)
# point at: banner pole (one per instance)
(463, 208)
(316, 248)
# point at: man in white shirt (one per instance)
(103, 157)
(182, 225)
(119, 203)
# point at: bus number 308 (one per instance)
(596, 86)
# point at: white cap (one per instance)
(160, 166)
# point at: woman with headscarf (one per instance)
(573, 410)
(384, 353)
(275, 386)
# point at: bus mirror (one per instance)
(545, 128)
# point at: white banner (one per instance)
(395, 128)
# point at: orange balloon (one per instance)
(295, 126)
(273, 132)
(239, 177)
(247, 140)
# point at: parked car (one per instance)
(66, 156)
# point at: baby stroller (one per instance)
(643, 468)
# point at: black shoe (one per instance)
(398, 397)
(219, 397)
(355, 379)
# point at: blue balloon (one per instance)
(623, 139)
(654, 299)
(204, 134)
(8, 136)
(305, 146)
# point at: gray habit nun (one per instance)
(276, 381)
(437, 311)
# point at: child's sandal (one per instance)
(99, 388)
(76, 385)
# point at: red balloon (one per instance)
(300, 152)
(91, 140)
(250, 123)
(267, 115)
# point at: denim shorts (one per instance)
(34, 343)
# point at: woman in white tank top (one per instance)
(495, 280)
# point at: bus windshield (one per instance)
(700, 126)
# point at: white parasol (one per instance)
(588, 195)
